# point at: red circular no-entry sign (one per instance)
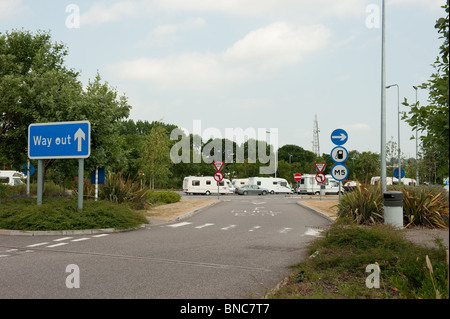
(297, 177)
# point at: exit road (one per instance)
(237, 248)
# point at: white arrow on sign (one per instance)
(79, 135)
(342, 137)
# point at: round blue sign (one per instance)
(339, 136)
(25, 170)
(396, 173)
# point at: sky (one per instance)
(258, 65)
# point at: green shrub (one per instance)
(422, 206)
(163, 197)
(118, 190)
(425, 206)
(63, 214)
(364, 205)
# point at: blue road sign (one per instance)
(100, 176)
(339, 136)
(59, 140)
(396, 172)
(25, 170)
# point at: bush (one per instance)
(364, 205)
(63, 214)
(425, 206)
(118, 190)
(422, 206)
(163, 197)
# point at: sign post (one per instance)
(218, 176)
(339, 155)
(59, 140)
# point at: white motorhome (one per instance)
(12, 178)
(240, 182)
(273, 184)
(309, 185)
(204, 185)
(393, 181)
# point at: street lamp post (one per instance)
(417, 146)
(398, 115)
(383, 103)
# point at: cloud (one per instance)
(428, 4)
(101, 13)
(166, 29)
(265, 7)
(260, 52)
(11, 8)
(277, 45)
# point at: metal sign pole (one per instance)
(80, 183)
(96, 183)
(40, 181)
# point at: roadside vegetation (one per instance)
(422, 206)
(121, 204)
(337, 267)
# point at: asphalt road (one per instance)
(237, 248)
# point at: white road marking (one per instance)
(228, 227)
(80, 239)
(204, 225)
(312, 232)
(179, 224)
(254, 228)
(4, 256)
(61, 239)
(38, 244)
(101, 235)
(285, 230)
(56, 245)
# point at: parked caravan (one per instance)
(393, 181)
(309, 185)
(11, 178)
(204, 185)
(240, 182)
(230, 185)
(273, 184)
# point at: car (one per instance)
(251, 189)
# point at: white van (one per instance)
(12, 178)
(273, 184)
(309, 185)
(204, 185)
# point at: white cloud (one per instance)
(166, 29)
(277, 45)
(11, 8)
(102, 13)
(261, 51)
(429, 4)
(266, 7)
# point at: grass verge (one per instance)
(63, 214)
(336, 268)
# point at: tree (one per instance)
(433, 120)
(156, 161)
(36, 87)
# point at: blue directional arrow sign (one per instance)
(396, 173)
(59, 140)
(339, 136)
